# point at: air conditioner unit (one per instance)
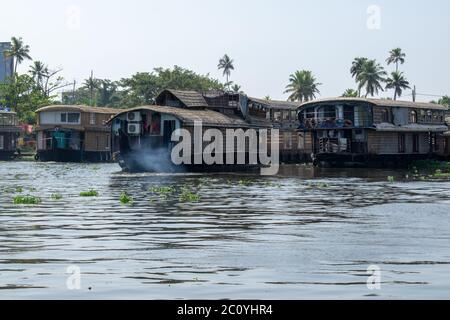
(134, 129)
(134, 116)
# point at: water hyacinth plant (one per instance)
(56, 196)
(27, 200)
(125, 199)
(90, 193)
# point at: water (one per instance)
(307, 233)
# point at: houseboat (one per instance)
(74, 133)
(137, 142)
(9, 134)
(257, 113)
(370, 132)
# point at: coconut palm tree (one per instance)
(396, 56)
(350, 93)
(371, 77)
(19, 51)
(236, 88)
(398, 82)
(302, 86)
(226, 63)
(38, 71)
(356, 68)
(91, 84)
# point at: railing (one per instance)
(335, 123)
(72, 144)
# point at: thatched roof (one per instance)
(191, 99)
(80, 108)
(275, 104)
(380, 103)
(189, 116)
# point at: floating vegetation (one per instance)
(163, 190)
(391, 179)
(245, 182)
(56, 196)
(90, 193)
(320, 185)
(18, 189)
(27, 200)
(189, 196)
(125, 199)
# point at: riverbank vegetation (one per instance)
(42, 84)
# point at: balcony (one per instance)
(335, 123)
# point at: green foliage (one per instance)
(90, 193)
(303, 86)
(445, 100)
(371, 76)
(391, 179)
(398, 82)
(125, 199)
(56, 196)
(23, 96)
(350, 93)
(27, 200)
(188, 196)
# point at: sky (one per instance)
(267, 39)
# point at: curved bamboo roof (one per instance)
(380, 103)
(189, 116)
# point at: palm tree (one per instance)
(350, 93)
(371, 77)
(356, 68)
(236, 88)
(91, 84)
(396, 56)
(302, 86)
(19, 51)
(226, 63)
(38, 71)
(398, 82)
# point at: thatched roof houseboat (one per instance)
(341, 131)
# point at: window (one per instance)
(294, 116)
(288, 140)
(268, 115)
(92, 119)
(63, 117)
(415, 143)
(108, 144)
(384, 115)
(2, 142)
(401, 143)
(285, 115)
(73, 117)
(413, 117)
(277, 116)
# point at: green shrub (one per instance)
(125, 199)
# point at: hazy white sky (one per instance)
(267, 39)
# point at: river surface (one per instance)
(306, 233)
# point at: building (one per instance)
(69, 133)
(9, 134)
(6, 64)
(356, 131)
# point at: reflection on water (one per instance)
(306, 233)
